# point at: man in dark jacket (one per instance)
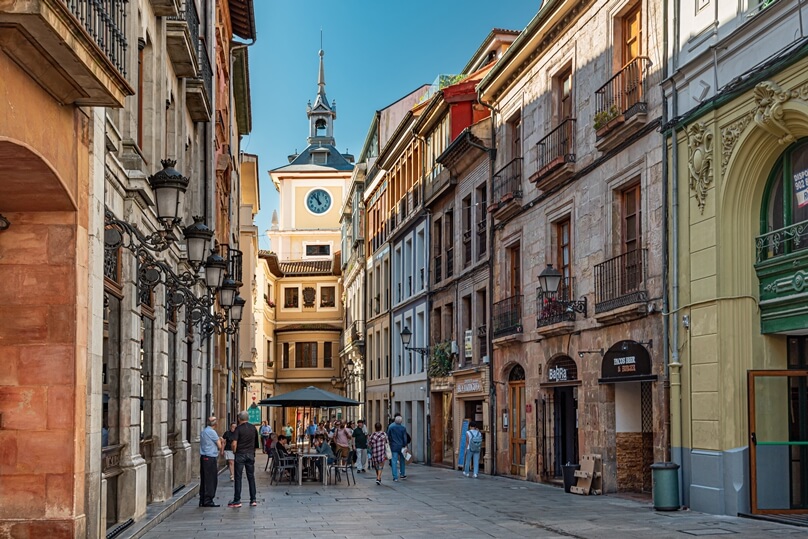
(398, 438)
(245, 443)
(360, 438)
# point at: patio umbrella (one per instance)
(311, 396)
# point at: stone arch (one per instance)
(29, 182)
(741, 195)
(565, 362)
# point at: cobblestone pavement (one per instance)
(435, 503)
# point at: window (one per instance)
(328, 296)
(318, 250)
(286, 355)
(785, 203)
(515, 266)
(563, 248)
(632, 219)
(320, 128)
(291, 298)
(632, 34)
(563, 84)
(306, 355)
(515, 136)
(482, 220)
(327, 362)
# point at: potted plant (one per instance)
(607, 118)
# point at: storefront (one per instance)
(559, 408)
(471, 404)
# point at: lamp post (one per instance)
(406, 338)
(549, 280)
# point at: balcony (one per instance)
(555, 156)
(182, 40)
(199, 90)
(554, 317)
(621, 104)
(621, 291)
(438, 269)
(436, 183)
(781, 259)
(507, 190)
(75, 49)
(507, 317)
(358, 330)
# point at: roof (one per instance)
(272, 262)
(242, 18)
(306, 267)
(303, 161)
(308, 327)
(464, 142)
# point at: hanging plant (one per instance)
(440, 360)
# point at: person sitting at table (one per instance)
(271, 441)
(283, 450)
(324, 449)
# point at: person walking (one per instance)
(311, 432)
(227, 437)
(360, 438)
(244, 445)
(342, 439)
(474, 444)
(399, 438)
(210, 447)
(288, 431)
(376, 444)
(265, 431)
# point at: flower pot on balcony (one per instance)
(506, 198)
(611, 124)
(493, 207)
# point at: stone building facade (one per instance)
(736, 144)
(577, 184)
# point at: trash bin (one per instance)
(569, 475)
(665, 477)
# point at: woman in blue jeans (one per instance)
(474, 442)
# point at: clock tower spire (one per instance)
(321, 114)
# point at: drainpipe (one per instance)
(666, 417)
(492, 389)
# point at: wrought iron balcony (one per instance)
(554, 307)
(75, 49)
(623, 96)
(182, 40)
(508, 181)
(555, 150)
(507, 316)
(621, 281)
(357, 331)
(199, 90)
(781, 259)
(783, 241)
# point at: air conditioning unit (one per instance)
(486, 361)
(454, 347)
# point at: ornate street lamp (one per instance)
(215, 267)
(197, 237)
(168, 186)
(227, 293)
(406, 336)
(549, 279)
(237, 310)
(349, 366)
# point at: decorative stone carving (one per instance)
(769, 99)
(309, 294)
(700, 146)
(729, 136)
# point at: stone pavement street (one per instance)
(435, 503)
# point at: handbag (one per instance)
(387, 451)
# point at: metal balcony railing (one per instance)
(188, 14)
(205, 70)
(438, 269)
(105, 21)
(625, 93)
(507, 316)
(557, 148)
(358, 330)
(508, 181)
(779, 242)
(621, 281)
(551, 307)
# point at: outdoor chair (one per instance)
(270, 461)
(281, 465)
(343, 465)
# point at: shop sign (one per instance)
(467, 342)
(625, 360)
(801, 187)
(557, 374)
(473, 385)
(255, 414)
(562, 369)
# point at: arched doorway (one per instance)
(560, 407)
(518, 429)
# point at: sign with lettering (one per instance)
(562, 369)
(626, 361)
(467, 343)
(801, 187)
(474, 385)
(255, 414)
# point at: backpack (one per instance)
(476, 442)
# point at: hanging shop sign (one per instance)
(801, 187)
(473, 385)
(626, 361)
(467, 343)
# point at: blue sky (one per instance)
(375, 52)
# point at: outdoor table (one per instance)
(301, 456)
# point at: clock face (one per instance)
(318, 201)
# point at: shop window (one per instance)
(784, 219)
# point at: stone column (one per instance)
(162, 470)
